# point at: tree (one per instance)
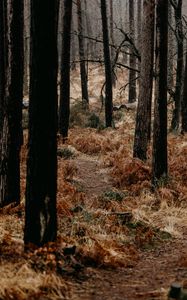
(26, 47)
(40, 218)
(108, 70)
(11, 100)
(64, 109)
(89, 30)
(83, 73)
(184, 101)
(112, 53)
(3, 57)
(170, 48)
(139, 27)
(132, 59)
(143, 116)
(160, 162)
(179, 75)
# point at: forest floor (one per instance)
(150, 275)
(117, 237)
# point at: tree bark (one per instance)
(139, 28)
(143, 116)
(41, 186)
(178, 89)
(26, 48)
(64, 109)
(108, 70)
(184, 101)
(160, 160)
(170, 48)
(12, 87)
(3, 57)
(132, 59)
(83, 73)
(112, 53)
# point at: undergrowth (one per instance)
(109, 230)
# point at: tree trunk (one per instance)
(90, 43)
(64, 110)
(40, 214)
(3, 58)
(112, 41)
(143, 116)
(132, 59)
(11, 130)
(123, 21)
(73, 43)
(178, 89)
(160, 162)
(170, 48)
(184, 101)
(26, 48)
(108, 71)
(83, 73)
(139, 28)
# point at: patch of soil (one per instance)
(155, 270)
(149, 279)
(92, 177)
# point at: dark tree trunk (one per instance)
(73, 44)
(143, 116)
(26, 63)
(3, 57)
(108, 70)
(64, 110)
(132, 59)
(83, 73)
(11, 130)
(112, 52)
(139, 28)
(26, 47)
(184, 101)
(40, 219)
(178, 89)
(171, 49)
(160, 161)
(90, 43)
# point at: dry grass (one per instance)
(106, 231)
(22, 282)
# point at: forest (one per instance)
(93, 149)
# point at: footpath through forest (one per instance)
(149, 277)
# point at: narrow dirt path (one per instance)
(149, 279)
(155, 270)
(93, 177)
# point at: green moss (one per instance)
(65, 153)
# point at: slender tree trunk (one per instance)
(26, 48)
(3, 58)
(160, 160)
(64, 110)
(178, 89)
(143, 115)
(25, 81)
(60, 33)
(122, 24)
(73, 43)
(40, 218)
(108, 70)
(132, 59)
(170, 48)
(112, 53)
(139, 28)
(84, 78)
(184, 101)
(11, 134)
